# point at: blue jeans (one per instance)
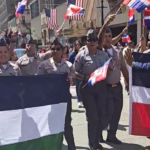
(77, 90)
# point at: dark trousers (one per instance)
(77, 90)
(68, 128)
(94, 101)
(114, 108)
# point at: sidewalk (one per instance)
(80, 129)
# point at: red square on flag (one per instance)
(140, 119)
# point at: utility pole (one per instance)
(102, 11)
(102, 14)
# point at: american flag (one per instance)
(77, 3)
(51, 18)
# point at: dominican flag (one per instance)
(32, 113)
(138, 5)
(21, 7)
(126, 38)
(146, 18)
(74, 10)
(131, 15)
(19, 34)
(140, 96)
(99, 74)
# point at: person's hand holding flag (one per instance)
(110, 19)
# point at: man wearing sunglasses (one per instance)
(57, 65)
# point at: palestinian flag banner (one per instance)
(32, 112)
(140, 96)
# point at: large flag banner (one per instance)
(140, 97)
(32, 112)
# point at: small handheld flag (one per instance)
(126, 38)
(74, 10)
(131, 15)
(138, 5)
(21, 7)
(99, 74)
(146, 22)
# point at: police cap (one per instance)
(31, 41)
(2, 42)
(91, 34)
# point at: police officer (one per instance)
(56, 65)
(7, 68)
(94, 97)
(114, 87)
(30, 61)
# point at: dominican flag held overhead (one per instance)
(32, 113)
(99, 74)
(126, 38)
(140, 97)
(74, 10)
(146, 22)
(21, 7)
(131, 15)
(79, 3)
(138, 5)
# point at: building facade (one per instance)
(7, 8)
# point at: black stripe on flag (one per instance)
(141, 77)
(141, 57)
(33, 91)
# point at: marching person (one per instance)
(7, 68)
(14, 57)
(114, 87)
(87, 61)
(72, 57)
(55, 65)
(29, 62)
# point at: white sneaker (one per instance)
(80, 104)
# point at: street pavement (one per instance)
(80, 129)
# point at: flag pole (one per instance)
(127, 20)
(63, 23)
(118, 10)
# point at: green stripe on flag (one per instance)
(51, 142)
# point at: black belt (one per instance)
(113, 85)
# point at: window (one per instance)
(58, 2)
(34, 9)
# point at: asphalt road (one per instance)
(80, 129)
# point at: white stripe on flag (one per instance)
(32, 123)
(140, 95)
(146, 17)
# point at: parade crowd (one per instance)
(103, 101)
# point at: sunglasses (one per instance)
(92, 40)
(57, 49)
